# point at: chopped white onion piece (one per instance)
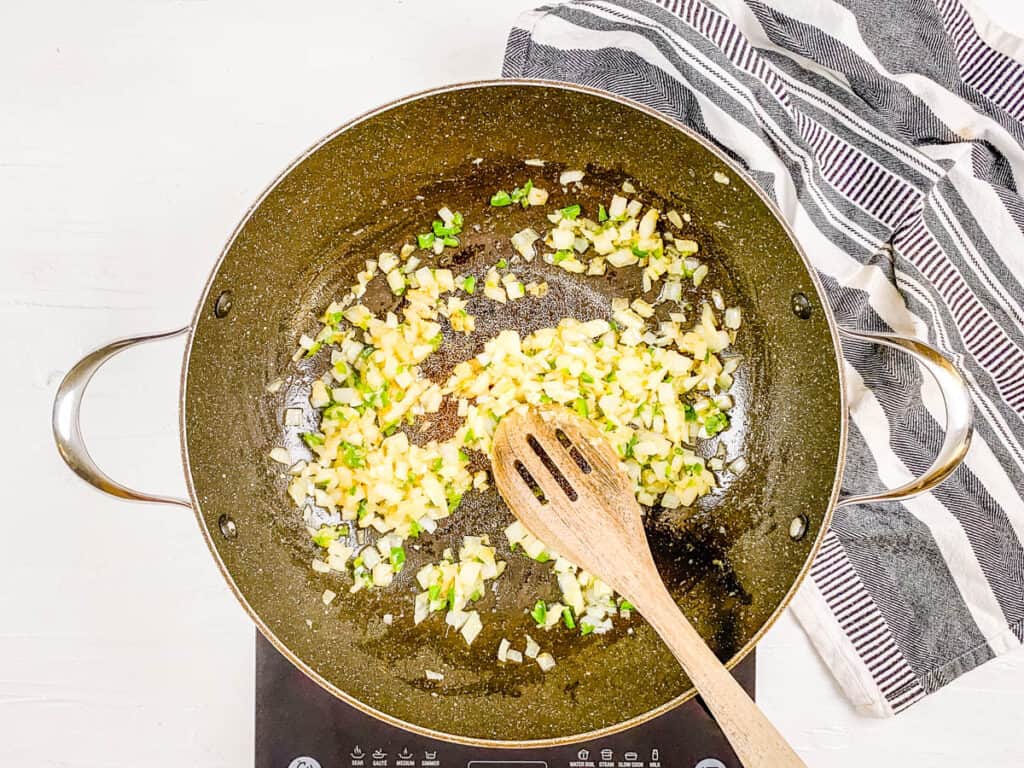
(671, 290)
(275, 386)
(622, 258)
(537, 196)
(328, 596)
(421, 608)
(523, 241)
(536, 162)
(717, 300)
(432, 675)
(320, 566)
(515, 290)
(495, 293)
(628, 188)
(281, 456)
(563, 239)
(318, 396)
(733, 319)
(293, 417)
(387, 261)
(532, 648)
(648, 223)
(546, 661)
(738, 466)
(472, 627)
(503, 647)
(570, 177)
(642, 308)
(721, 178)
(699, 274)
(396, 281)
(674, 217)
(516, 657)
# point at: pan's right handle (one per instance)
(959, 415)
(67, 430)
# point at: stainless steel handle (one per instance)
(67, 430)
(959, 415)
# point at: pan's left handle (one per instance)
(959, 415)
(67, 430)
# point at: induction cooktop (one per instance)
(300, 725)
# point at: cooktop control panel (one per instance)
(299, 725)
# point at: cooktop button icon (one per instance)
(357, 753)
(607, 754)
(405, 754)
(583, 754)
(379, 754)
(428, 755)
(630, 756)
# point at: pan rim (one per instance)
(327, 685)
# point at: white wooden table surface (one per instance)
(133, 135)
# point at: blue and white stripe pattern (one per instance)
(891, 134)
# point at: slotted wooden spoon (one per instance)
(563, 481)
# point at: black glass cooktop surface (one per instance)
(300, 725)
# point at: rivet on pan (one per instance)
(800, 305)
(798, 527)
(227, 527)
(222, 305)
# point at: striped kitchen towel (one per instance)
(891, 133)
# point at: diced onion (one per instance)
(653, 386)
(472, 627)
(523, 242)
(622, 258)
(671, 290)
(737, 466)
(537, 196)
(281, 456)
(387, 261)
(532, 648)
(319, 396)
(699, 274)
(733, 318)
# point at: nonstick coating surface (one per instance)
(730, 562)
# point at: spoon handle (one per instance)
(754, 739)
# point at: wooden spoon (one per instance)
(589, 515)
